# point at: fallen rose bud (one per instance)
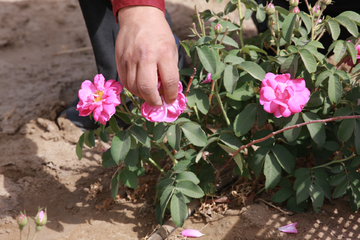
(289, 228)
(191, 233)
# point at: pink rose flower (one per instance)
(99, 98)
(283, 96)
(291, 228)
(166, 112)
(208, 79)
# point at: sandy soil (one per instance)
(45, 54)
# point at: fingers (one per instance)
(147, 83)
(169, 75)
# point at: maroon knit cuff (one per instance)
(118, 4)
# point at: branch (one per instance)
(190, 82)
(280, 131)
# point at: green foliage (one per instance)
(230, 105)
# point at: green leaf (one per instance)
(321, 77)
(293, 206)
(272, 171)
(308, 60)
(335, 89)
(207, 58)
(352, 50)
(107, 160)
(346, 129)
(339, 50)
(120, 146)
(337, 179)
(317, 196)
(348, 24)
(178, 209)
(182, 166)
(162, 185)
(165, 199)
(115, 185)
(257, 160)
(357, 136)
(284, 158)
(331, 146)
(231, 76)
(129, 178)
(194, 133)
(230, 140)
(140, 134)
(341, 188)
(260, 14)
(233, 59)
(344, 111)
(288, 27)
(281, 195)
(243, 92)
(292, 134)
(132, 159)
(306, 20)
(355, 162)
(103, 136)
(113, 124)
(187, 176)
(261, 134)
(229, 41)
(202, 101)
(316, 130)
(351, 15)
(245, 120)
(302, 191)
(334, 29)
(253, 69)
(90, 139)
(160, 132)
(290, 65)
(174, 136)
(189, 189)
(79, 146)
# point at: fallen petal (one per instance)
(191, 233)
(289, 228)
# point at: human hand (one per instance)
(145, 46)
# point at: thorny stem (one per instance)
(280, 131)
(241, 25)
(195, 31)
(168, 153)
(190, 82)
(221, 104)
(332, 162)
(222, 39)
(200, 22)
(157, 166)
(278, 37)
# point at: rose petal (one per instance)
(191, 233)
(289, 228)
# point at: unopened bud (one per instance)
(294, 9)
(208, 78)
(270, 9)
(294, 3)
(41, 218)
(315, 11)
(21, 220)
(326, 2)
(218, 29)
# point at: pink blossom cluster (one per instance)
(283, 96)
(99, 98)
(166, 112)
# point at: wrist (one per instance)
(138, 13)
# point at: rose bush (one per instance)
(268, 98)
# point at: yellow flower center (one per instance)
(98, 95)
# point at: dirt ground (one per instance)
(45, 54)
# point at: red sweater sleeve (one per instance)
(118, 4)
